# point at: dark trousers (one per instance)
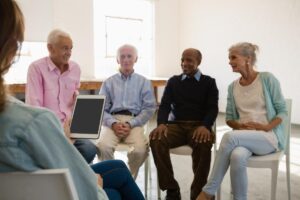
(117, 180)
(178, 135)
(86, 148)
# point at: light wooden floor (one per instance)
(259, 179)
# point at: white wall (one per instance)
(213, 26)
(38, 18)
(167, 60)
(73, 16)
(76, 16)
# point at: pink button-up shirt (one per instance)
(47, 87)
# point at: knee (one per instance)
(104, 147)
(158, 144)
(140, 151)
(87, 149)
(227, 139)
(117, 163)
(113, 193)
(238, 159)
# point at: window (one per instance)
(118, 22)
(30, 52)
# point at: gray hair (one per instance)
(127, 46)
(246, 49)
(55, 34)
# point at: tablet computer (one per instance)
(87, 116)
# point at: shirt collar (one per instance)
(52, 66)
(197, 76)
(125, 77)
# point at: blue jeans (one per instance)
(86, 148)
(117, 180)
(235, 149)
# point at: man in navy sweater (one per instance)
(188, 110)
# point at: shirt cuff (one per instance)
(110, 122)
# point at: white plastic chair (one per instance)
(184, 150)
(272, 161)
(43, 184)
(124, 147)
(121, 147)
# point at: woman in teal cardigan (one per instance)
(255, 111)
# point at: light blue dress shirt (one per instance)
(32, 139)
(133, 93)
(197, 76)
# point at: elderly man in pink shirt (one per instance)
(53, 83)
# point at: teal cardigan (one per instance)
(275, 105)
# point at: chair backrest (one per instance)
(287, 125)
(47, 184)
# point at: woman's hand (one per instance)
(258, 126)
(254, 125)
(67, 130)
(100, 180)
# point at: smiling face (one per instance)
(190, 60)
(238, 62)
(61, 51)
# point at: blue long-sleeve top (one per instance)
(133, 93)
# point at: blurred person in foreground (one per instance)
(32, 138)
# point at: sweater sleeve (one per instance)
(231, 113)
(165, 105)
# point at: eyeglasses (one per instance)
(18, 53)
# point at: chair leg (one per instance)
(274, 182)
(158, 190)
(146, 169)
(219, 193)
(288, 173)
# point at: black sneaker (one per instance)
(173, 195)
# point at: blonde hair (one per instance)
(246, 49)
(11, 37)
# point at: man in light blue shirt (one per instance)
(130, 103)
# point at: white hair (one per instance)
(246, 49)
(127, 46)
(55, 34)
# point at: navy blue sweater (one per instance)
(189, 100)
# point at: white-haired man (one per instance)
(53, 82)
(130, 103)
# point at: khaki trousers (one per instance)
(136, 139)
